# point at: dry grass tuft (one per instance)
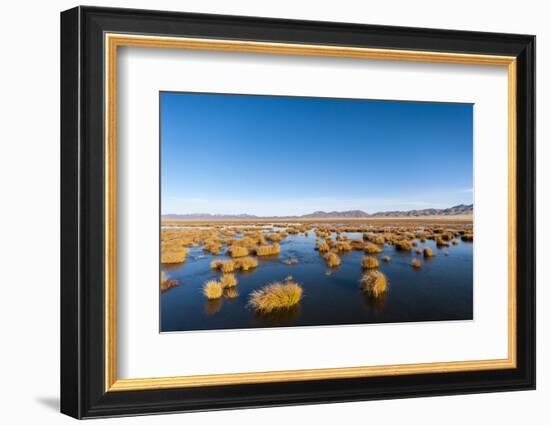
(467, 237)
(216, 264)
(440, 242)
(276, 296)
(386, 259)
(213, 247)
(226, 266)
(357, 244)
(231, 293)
(332, 259)
(323, 246)
(342, 246)
(264, 250)
(173, 254)
(245, 263)
(212, 290)
(165, 283)
(455, 242)
(374, 283)
(237, 251)
(228, 281)
(372, 248)
(369, 262)
(403, 245)
(428, 252)
(416, 263)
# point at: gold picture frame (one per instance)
(113, 41)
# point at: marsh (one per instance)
(441, 289)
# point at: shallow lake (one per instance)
(442, 289)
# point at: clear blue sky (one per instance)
(267, 155)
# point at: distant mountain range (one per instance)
(456, 210)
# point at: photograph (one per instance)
(282, 211)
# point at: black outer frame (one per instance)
(82, 207)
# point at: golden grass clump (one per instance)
(439, 242)
(342, 246)
(264, 250)
(386, 259)
(226, 266)
(245, 263)
(416, 263)
(372, 248)
(277, 237)
(374, 283)
(467, 237)
(369, 262)
(212, 290)
(165, 283)
(276, 296)
(228, 280)
(323, 246)
(418, 251)
(454, 242)
(231, 293)
(237, 251)
(357, 244)
(380, 240)
(447, 236)
(332, 259)
(428, 252)
(173, 255)
(403, 245)
(213, 247)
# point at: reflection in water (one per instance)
(167, 267)
(212, 307)
(376, 304)
(280, 317)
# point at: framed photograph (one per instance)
(261, 212)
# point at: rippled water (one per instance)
(442, 289)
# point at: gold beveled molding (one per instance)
(113, 41)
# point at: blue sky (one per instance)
(267, 155)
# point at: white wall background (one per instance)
(29, 224)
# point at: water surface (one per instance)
(441, 289)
